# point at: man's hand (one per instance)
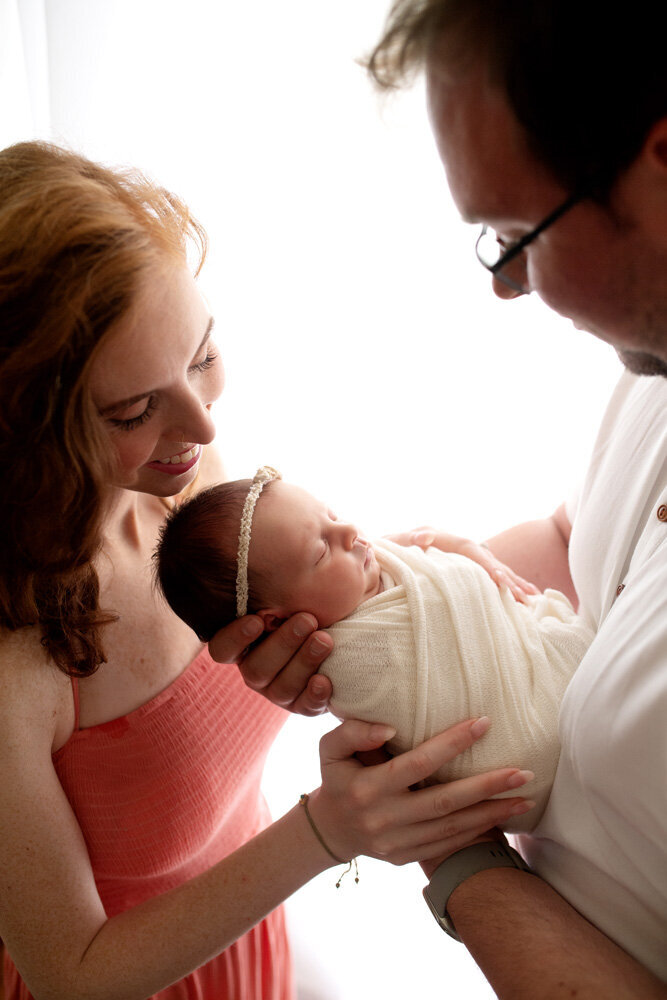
(501, 574)
(283, 665)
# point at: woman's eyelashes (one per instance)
(130, 423)
(208, 362)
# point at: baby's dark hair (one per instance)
(195, 561)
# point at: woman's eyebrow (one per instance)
(122, 403)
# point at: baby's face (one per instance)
(315, 562)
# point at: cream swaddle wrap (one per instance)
(444, 644)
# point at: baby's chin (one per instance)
(327, 620)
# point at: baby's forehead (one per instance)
(290, 498)
(289, 511)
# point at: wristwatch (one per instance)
(460, 866)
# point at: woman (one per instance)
(137, 858)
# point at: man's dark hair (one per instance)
(195, 561)
(585, 79)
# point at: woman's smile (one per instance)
(176, 465)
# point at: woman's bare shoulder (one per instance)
(35, 697)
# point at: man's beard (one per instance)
(643, 364)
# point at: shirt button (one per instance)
(662, 512)
(620, 589)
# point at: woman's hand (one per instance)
(372, 810)
(501, 574)
(283, 666)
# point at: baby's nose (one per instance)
(349, 534)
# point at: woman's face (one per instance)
(154, 381)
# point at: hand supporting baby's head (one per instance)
(300, 558)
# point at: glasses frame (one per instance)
(513, 251)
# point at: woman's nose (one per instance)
(195, 422)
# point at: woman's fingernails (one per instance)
(480, 726)
(519, 778)
(252, 628)
(302, 627)
(522, 807)
(317, 647)
(381, 732)
(319, 689)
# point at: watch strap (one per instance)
(461, 866)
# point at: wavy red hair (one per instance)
(77, 240)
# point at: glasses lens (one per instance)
(489, 248)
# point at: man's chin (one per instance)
(643, 364)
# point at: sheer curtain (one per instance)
(366, 356)
(24, 90)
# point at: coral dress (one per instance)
(161, 795)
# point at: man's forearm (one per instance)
(537, 551)
(532, 945)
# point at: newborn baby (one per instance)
(422, 640)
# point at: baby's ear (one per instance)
(271, 620)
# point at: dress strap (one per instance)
(75, 699)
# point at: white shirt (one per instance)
(602, 842)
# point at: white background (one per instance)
(366, 355)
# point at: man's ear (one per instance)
(655, 145)
(271, 618)
(643, 187)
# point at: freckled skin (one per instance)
(158, 351)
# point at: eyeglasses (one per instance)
(496, 255)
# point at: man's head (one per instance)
(532, 103)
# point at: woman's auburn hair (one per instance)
(77, 240)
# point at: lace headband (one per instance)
(263, 476)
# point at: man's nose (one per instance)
(504, 291)
(516, 282)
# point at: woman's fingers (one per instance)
(398, 773)
(418, 764)
(440, 838)
(372, 810)
(229, 645)
(353, 736)
(282, 666)
(314, 700)
(437, 801)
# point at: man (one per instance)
(551, 122)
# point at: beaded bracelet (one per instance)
(303, 801)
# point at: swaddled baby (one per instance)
(422, 640)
